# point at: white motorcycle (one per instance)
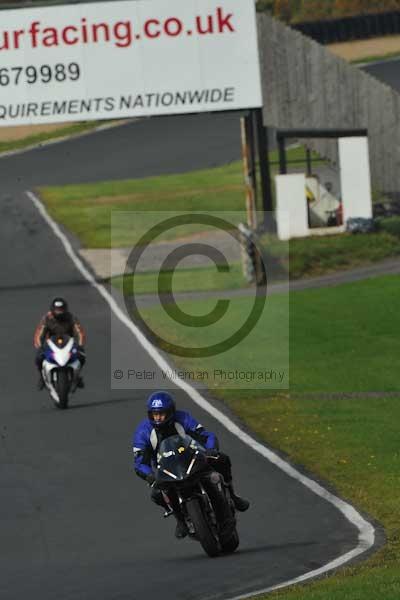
(60, 368)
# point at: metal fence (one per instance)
(306, 86)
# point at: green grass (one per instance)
(265, 348)
(37, 139)
(335, 335)
(376, 58)
(320, 255)
(184, 280)
(342, 339)
(353, 444)
(86, 209)
(309, 257)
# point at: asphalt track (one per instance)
(140, 149)
(387, 71)
(75, 522)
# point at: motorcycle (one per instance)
(60, 368)
(189, 484)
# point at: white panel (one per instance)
(355, 177)
(291, 213)
(125, 59)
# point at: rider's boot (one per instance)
(241, 504)
(181, 531)
(40, 383)
(80, 382)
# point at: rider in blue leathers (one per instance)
(164, 420)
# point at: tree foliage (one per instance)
(310, 10)
(360, 7)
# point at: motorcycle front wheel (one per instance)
(62, 388)
(202, 528)
(231, 543)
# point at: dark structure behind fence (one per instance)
(351, 28)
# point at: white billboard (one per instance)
(126, 59)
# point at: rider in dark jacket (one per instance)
(58, 321)
(163, 421)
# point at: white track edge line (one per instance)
(366, 536)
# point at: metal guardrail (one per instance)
(351, 28)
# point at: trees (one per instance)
(358, 7)
(265, 6)
(284, 10)
(311, 10)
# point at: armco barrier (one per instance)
(351, 28)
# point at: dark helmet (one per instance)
(58, 307)
(161, 403)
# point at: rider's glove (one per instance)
(151, 480)
(212, 453)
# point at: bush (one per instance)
(389, 225)
(319, 255)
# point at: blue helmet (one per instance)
(161, 402)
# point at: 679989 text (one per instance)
(41, 74)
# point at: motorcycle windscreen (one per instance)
(176, 458)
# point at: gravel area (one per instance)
(10, 134)
(358, 50)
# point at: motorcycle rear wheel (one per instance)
(203, 530)
(62, 389)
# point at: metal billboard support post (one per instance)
(247, 135)
(282, 155)
(309, 162)
(265, 170)
(252, 264)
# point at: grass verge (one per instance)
(86, 209)
(184, 280)
(335, 343)
(40, 138)
(376, 58)
(310, 257)
(353, 444)
(314, 256)
(350, 440)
